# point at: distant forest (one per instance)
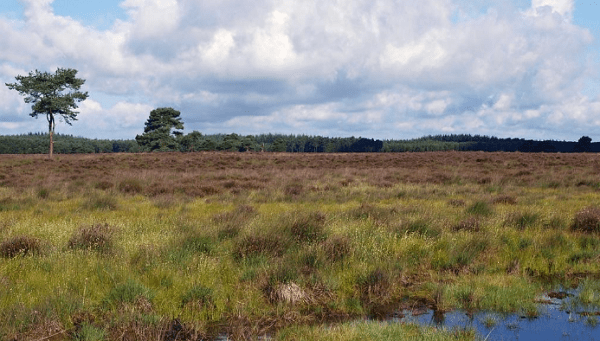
(37, 143)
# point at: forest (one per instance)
(37, 143)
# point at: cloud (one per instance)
(381, 68)
(562, 7)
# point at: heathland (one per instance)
(189, 246)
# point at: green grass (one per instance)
(352, 249)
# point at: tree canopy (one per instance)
(162, 131)
(51, 95)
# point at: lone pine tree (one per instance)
(162, 130)
(51, 95)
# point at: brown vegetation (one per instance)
(94, 238)
(19, 246)
(206, 173)
(587, 220)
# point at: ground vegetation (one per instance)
(189, 246)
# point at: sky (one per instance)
(385, 69)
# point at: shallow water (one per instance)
(553, 323)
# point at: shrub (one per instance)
(308, 228)
(19, 246)
(470, 224)
(587, 220)
(95, 238)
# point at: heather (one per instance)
(189, 246)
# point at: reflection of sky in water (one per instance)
(552, 324)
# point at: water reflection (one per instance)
(554, 323)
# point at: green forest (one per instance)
(38, 143)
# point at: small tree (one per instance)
(192, 142)
(583, 145)
(51, 95)
(161, 131)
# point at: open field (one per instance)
(188, 246)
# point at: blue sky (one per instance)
(371, 68)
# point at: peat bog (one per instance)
(190, 246)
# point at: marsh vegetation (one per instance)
(171, 246)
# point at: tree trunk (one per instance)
(51, 143)
(51, 133)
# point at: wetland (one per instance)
(194, 246)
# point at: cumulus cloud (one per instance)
(384, 68)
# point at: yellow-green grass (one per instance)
(350, 246)
(374, 331)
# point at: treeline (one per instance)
(494, 144)
(37, 143)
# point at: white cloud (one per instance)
(153, 18)
(373, 66)
(562, 7)
(219, 49)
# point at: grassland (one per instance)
(189, 246)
